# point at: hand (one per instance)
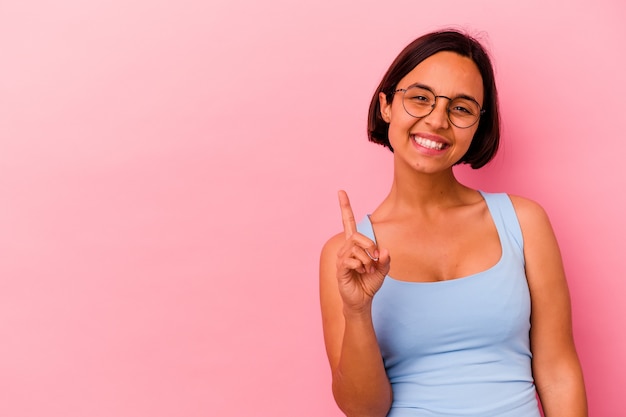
(361, 266)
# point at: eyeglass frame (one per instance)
(404, 90)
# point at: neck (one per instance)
(413, 191)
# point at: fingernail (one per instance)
(373, 258)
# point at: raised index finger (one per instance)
(347, 217)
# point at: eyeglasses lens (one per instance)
(420, 102)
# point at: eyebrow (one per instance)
(426, 87)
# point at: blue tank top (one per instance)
(460, 347)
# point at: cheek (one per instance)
(401, 124)
(466, 135)
(397, 134)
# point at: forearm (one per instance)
(562, 393)
(360, 384)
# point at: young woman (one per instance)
(446, 301)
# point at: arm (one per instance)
(360, 384)
(556, 368)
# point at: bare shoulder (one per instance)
(544, 268)
(540, 243)
(531, 215)
(334, 243)
(332, 246)
(328, 266)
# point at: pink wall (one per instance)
(169, 172)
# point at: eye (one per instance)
(419, 96)
(460, 110)
(461, 107)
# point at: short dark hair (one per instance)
(487, 137)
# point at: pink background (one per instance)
(169, 173)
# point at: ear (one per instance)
(385, 108)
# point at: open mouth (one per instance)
(429, 144)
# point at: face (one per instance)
(432, 143)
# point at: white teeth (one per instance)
(427, 143)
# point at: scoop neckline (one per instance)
(463, 278)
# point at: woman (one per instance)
(446, 301)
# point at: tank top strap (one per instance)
(365, 228)
(505, 219)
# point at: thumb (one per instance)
(384, 261)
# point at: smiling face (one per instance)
(432, 144)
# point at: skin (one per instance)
(451, 235)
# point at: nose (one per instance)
(438, 117)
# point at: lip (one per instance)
(432, 137)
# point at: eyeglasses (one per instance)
(419, 101)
